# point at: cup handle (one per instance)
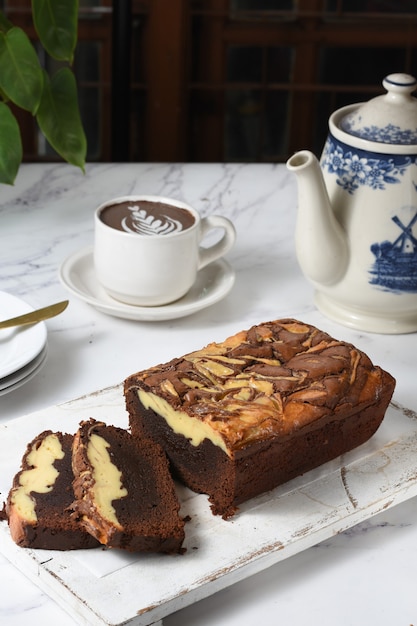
(219, 249)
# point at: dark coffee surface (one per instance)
(147, 218)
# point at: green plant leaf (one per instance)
(56, 22)
(20, 71)
(11, 151)
(59, 117)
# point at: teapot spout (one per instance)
(321, 243)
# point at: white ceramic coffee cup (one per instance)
(153, 270)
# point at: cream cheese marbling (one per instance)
(181, 423)
(107, 478)
(39, 478)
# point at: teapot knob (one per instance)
(399, 85)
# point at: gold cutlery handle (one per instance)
(35, 316)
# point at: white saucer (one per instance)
(213, 283)
(19, 345)
(22, 376)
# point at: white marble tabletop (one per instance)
(365, 575)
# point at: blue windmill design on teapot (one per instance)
(395, 266)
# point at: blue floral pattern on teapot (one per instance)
(390, 133)
(355, 168)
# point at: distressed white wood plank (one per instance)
(101, 587)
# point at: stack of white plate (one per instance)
(23, 349)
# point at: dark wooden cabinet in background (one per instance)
(229, 80)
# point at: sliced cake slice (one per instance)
(125, 495)
(37, 504)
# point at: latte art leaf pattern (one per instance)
(139, 221)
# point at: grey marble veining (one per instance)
(365, 575)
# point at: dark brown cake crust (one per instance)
(54, 529)
(148, 515)
(312, 398)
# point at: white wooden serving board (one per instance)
(110, 587)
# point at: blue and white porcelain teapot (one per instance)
(356, 234)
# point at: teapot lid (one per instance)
(390, 118)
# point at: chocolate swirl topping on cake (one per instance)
(274, 379)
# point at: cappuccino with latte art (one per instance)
(147, 249)
(147, 218)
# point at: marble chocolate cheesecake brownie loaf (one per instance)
(242, 416)
(37, 507)
(125, 495)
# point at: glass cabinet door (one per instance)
(230, 80)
